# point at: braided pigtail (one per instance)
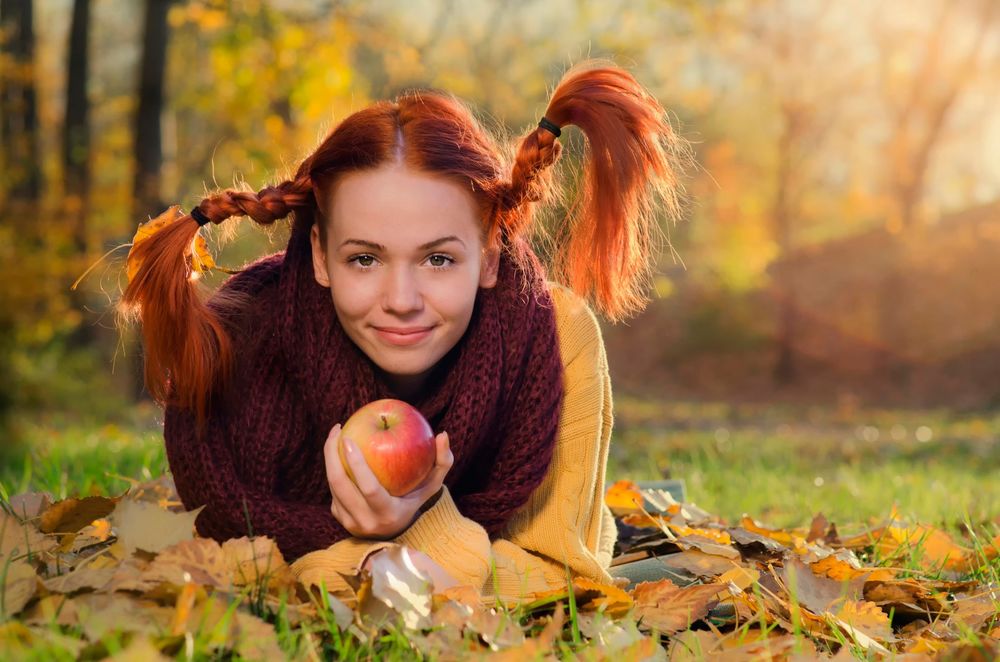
(188, 352)
(632, 164)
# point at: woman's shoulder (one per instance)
(577, 325)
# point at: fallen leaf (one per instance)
(816, 593)
(612, 600)
(866, 617)
(740, 577)
(708, 546)
(200, 561)
(667, 608)
(19, 538)
(842, 570)
(698, 563)
(623, 497)
(19, 583)
(30, 505)
(142, 525)
(71, 515)
(788, 538)
(399, 584)
(250, 561)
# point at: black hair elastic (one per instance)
(198, 215)
(549, 126)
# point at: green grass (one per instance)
(784, 466)
(779, 465)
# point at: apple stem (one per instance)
(385, 422)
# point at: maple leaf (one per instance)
(143, 525)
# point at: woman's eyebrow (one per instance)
(422, 247)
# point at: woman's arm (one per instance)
(206, 474)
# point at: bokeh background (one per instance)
(827, 314)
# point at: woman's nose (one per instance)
(402, 293)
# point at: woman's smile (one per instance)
(403, 336)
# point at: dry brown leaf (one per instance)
(708, 546)
(20, 582)
(539, 647)
(199, 560)
(740, 577)
(17, 539)
(71, 515)
(609, 599)
(83, 577)
(866, 617)
(668, 608)
(251, 560)
(698, 563)
(720, 536)
(815, 593)
(30, 505)
(145, 526)
(841, 570)
(795, 538)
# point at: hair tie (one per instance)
(198, 215)
(546, 124)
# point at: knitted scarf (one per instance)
(259, 469)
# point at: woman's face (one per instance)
(404, 260)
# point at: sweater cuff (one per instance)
(458, 544)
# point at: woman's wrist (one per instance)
(427, 505)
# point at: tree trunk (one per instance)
(76, 157)
(18, 107)
(148, 147)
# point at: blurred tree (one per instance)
(18, 105)
(20, 183)
(788, 43)
(924, 70)
(147, 194)
(76, 154)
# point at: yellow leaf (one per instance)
(201, 259)
(623, 497)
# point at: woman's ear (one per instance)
(319, 257)
(489, 268)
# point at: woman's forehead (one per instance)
(400, 207)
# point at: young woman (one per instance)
(409, 274)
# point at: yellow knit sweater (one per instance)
(565, 521)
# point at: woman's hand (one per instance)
(366, 509)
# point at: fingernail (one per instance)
(349, 444)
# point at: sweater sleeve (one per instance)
(206, 474)
(565, 521)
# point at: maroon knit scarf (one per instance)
(260, 468)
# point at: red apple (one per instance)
(396, 441)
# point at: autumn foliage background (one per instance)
(839, 250)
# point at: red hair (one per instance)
(609, 240)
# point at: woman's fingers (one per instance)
(368, 484)
(444, 459)
(343, 488)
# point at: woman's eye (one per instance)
(444, 260)
(361, 260)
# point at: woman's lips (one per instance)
(402, 337)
